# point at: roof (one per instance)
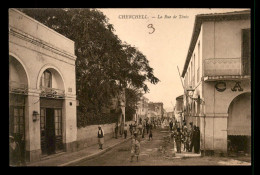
(199, 19)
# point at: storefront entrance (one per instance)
(51, 126)
(17, 121)
(239, 124)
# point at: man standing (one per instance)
(100, 137)
(171, 125)
(125, 131)
(135, 147)
(178, 140)
(116, 130)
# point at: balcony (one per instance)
(223, 68)
(18, 88)
(52, 93)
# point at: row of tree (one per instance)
(104, 66)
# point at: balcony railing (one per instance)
(52, 92)
(222, 66)
(18, 88)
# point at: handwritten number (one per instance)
(151, 26)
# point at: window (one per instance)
(194, 61)
(246, 52)
(198, 70)
(46, 79)
(58, 126)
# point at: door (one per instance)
(16, 127)
(50, 131)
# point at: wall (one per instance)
(87, 136)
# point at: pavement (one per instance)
(66, 159)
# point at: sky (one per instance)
(165, 46)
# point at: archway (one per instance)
(18, 90)
(51, 84)
(239, 124)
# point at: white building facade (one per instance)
(42, 88)
(217, 75)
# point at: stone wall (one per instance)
(87, 136)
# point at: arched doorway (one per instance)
(18, 90)
(239, 124)
(51, 104)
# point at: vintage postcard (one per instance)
(129, 87)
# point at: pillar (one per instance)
(69, 124)
(32, 128)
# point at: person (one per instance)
(192, 137)
(185, 139)
(150, 134)
(171, 125)
(116, 130)
(147, 127)
(131, 128)
(197, 141)
(140, 129)
(125, 131)
(14, 152)
(178, 139)
(135, 147)
(101, 135)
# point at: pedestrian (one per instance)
(131, 128)
(116, 130)
(171, 125)
(135, 147)
(150, 134)
(101, 135)
(185, 139)
(147, 127)
(178, 139)
(125, 131)
(192, 137)
(140, 129)
(14, 152)
(143, 129)
(197, 140)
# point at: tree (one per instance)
(104, 64)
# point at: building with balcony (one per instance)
(42, 88)
(217, 80)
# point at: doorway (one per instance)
(51, 130)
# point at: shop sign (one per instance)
(220, 86)
(237, 87)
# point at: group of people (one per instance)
(189, 138)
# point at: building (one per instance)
(217, 80)
(142, 108)
(42, 88)
(178, 110)
(155, 110)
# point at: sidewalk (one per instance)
(66, 159)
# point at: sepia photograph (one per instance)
(129, 87)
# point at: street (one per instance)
(151, 155)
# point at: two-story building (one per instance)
(42, 88)
(217, 78)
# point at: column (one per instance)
(32, 128)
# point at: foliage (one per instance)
(104, 64)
